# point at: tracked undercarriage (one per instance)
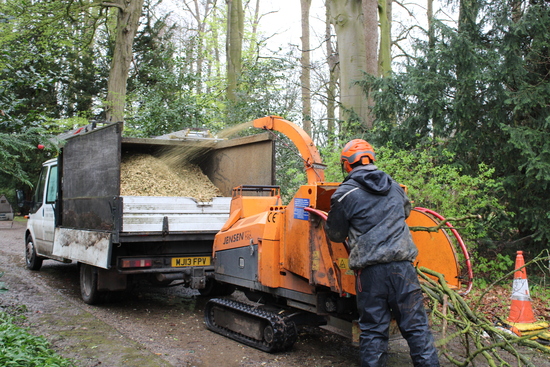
(267, 330)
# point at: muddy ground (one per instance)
(149, 326)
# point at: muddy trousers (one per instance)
(392, 289)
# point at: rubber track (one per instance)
(285, 333)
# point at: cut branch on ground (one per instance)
(479, 336)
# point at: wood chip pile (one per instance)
(146, 175)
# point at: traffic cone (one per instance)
(521, 310)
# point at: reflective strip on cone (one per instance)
(520, 290)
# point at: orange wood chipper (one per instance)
(280, 257)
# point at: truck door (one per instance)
(43, 217)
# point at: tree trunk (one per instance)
(517, 12)
(200, 31)
(305, 78)
(332, 62)
(234, 45)
(128, 16)
(384, 58)
(200, 18)
(370, 24)
(430, 15)
(347, 18)
(256, 21)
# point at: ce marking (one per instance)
(271, 217)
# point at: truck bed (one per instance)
(90, 191)
(156, 214)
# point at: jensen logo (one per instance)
(246, 235)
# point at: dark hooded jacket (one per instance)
(369, 208)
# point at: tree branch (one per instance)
(112, 5)
(442, 224)
(478, 332)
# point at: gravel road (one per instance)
(147, 326)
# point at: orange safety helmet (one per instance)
(355, 151)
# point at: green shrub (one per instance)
(21, 349)
(491, 270)
(435, 181)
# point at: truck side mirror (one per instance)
(20, 195)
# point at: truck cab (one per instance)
(39, 235)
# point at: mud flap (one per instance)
(111, 280)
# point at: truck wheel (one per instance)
(216, 289)
(33, 261)
(88, 284)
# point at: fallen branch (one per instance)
(480, 337)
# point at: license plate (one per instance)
(178, 262)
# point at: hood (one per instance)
(372, 179)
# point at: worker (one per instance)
(369, 209)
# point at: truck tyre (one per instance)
(88, 284)
(33, 261)
(216, 289)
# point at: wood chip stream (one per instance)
(147, 175)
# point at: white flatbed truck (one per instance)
(78, 212)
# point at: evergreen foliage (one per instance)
(266, 87)
(481, 92)
(161, 92)
(45, 73)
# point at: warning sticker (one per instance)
(343, 264)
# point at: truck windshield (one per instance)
(39, 193)
(51, 194)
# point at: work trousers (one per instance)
(390, 289)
